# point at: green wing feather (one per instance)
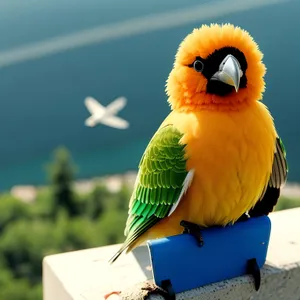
(278, 177)
(162, 171)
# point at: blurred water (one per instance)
(41, 104)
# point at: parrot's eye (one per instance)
(198, 65)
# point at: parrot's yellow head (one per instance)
(217, 67)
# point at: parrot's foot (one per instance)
(166, 291)
(194, 230)
(148, 289)
(253, 269)
(143, 290)
(243, 217)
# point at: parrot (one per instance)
(217, 158)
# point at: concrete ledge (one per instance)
(86, 275)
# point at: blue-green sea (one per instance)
(41, 98)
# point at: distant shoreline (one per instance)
(27, 193)
(114, 182)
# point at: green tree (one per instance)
(287, 203)
(111, 226)
(62, 173)
(12, 209)
(59, 220)
(123, 197)
(96, 200)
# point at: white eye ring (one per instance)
(198, 65)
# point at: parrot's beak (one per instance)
(229, 72)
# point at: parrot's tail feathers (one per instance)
(116, 255)
(126, 248)
(128, 245)
(134, 238)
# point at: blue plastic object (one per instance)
(224, 255)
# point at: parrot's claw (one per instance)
(167, 286)
(244, 217)
(194, 230)
(166, 291)
(253, 269)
